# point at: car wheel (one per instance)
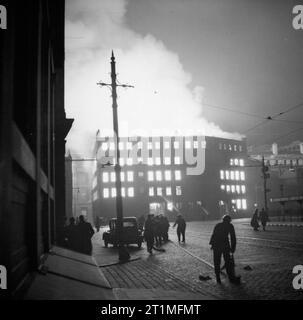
(139, 244)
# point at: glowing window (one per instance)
(158, 175)
(167, 161)
(106, 193)
(178, 191)
(178, 175)
(104, 146)
(112, 146)
(105, 177)
(121, 146)
(158, 161)
(242, 176)
(122, 176)
(129, 161)
(159, 191)
(228, 188)
(241, 162)
(122, 162)
(150, 161)
(113, 177)
(166, 145)
(177, 160)
(236, 162)
(150, 175)
(195, 144)
(151, 191)
(149, 145)
(141, 174)
(244, 204)
(227, 175)
(229, 147)
(235, 147)
(222, 187)
(240, 148)
(222, 174)
(231, 162)
(131, 192)
(123, 192)
(167, 175)
(233, 201)
(187, 144)
(232, 175)
(233, 189)
(140, 145)
(239, 203)
(176, 144)
(129, 145)
(237, 175)
(114, 192)
(130, 176)
(168, 191)
(158, 145)
(243, 189)
(170, 206)
(238, 189)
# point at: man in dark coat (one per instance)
(181, 226)
(149, 233)
(221, 246)
(84, 232)
(263, 218)
(70, 234)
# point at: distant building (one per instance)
(155, 177)
(82, 190)
(285, 164)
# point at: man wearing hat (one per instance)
(221, 246)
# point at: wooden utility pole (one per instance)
(123, 253)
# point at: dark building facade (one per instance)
(200, 177)
(33, 127)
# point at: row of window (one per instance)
(128, 176)
(150, 161)
(237, 203)
(234, 188)
(166, 175)
(153, 191)
(285, 162)
(112, 192)
(157, 145)
(232, 175)
(230, 147)
(168, 191)
(236, 162)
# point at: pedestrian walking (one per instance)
(84, 233)
(181, 226)
(164, 226)
(263, 218)
(220, 245)
(254, 220)
(149, 233)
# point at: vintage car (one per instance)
(131, 233)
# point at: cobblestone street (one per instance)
(271, 256)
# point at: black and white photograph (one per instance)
(151, 150)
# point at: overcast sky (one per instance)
(183, 55)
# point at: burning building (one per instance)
(200, 177)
